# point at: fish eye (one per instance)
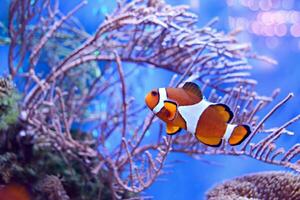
(154, 93)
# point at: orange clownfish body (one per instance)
(185, 108)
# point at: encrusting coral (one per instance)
(8, 103)
(70, 79)
(275, 185)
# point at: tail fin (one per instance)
(239, 134)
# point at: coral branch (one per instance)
(265, 119)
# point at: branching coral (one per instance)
(147, 33)
(265, 185)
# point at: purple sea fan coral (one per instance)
(57, 97)
(264, 185)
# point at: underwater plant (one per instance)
(76, 95)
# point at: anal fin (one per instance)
(171, 130)
(210, 141)
(224, 111)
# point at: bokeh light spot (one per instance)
(295, 30)
(280, 30)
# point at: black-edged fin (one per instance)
(171, 107)
(212, 142)
(171, 130)
(193, 88)
(239, 134)
(224, 111)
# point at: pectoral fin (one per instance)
(171, 130)
(171, 107)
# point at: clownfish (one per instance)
(186, 108)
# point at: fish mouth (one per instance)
(148, 100)
(151, 101)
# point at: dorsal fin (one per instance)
(224, 111)
(193, 88)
